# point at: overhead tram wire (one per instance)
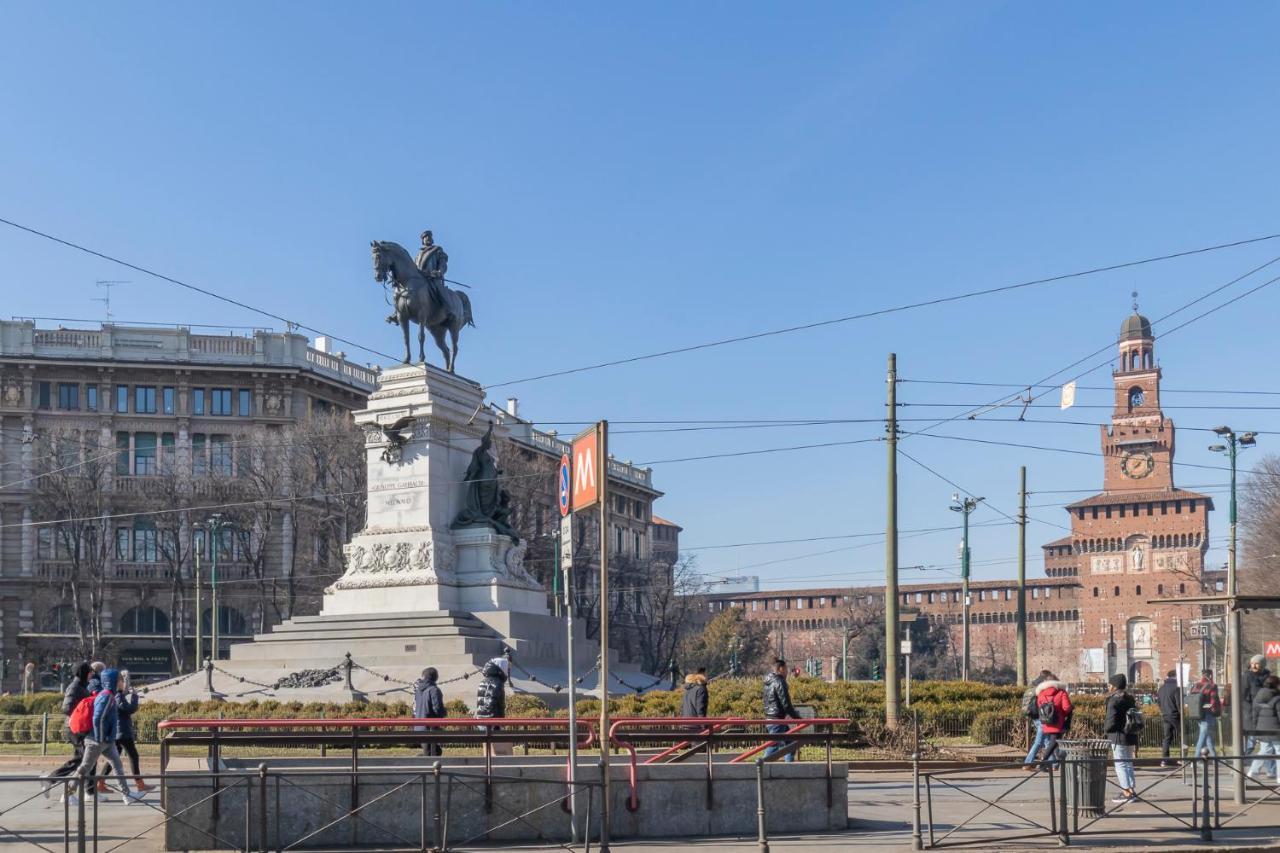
(879, 312)
(205, 291)
(987, 503)
(1054, 387)
(1015, 399)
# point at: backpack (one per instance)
(1133, 722)
(1047, 712)
(81, 719)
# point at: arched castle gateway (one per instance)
(1140, 538)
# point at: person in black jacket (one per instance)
(1169, 698)
(694, 701)
(1264, 720)
(777, 706)
(1116, 728)
(1254, 678)
(78, 689)
(428, 704)
(491, 696)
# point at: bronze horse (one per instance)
(434, 306)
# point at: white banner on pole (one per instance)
(1068, 395)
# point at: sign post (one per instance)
(564, 554)
(590, 477)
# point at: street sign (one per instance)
(1272, 649)
(905, 647)
(566, 542)
(565, 486)
(585, 469)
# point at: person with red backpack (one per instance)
(76, 691)
(103, 713)
(1051, 710)
(1204, 698)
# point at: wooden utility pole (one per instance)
(1022, 575)
(891, 686)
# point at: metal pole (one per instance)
(844, 655)
(573, 699)
(262, 809)
(1022, 575)
(964, 593)
(44, 733)
(1233, 641)
(199, 627)
(908, 668)
(602, 433)
(762, 838)
(215, 526)
(891, 686)
(917, 843)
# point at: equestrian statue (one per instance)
(421, 296)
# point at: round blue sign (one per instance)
(565, 485)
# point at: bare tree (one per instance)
(1259, 559)
(71, 506)
(729, 640)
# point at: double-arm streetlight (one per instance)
(215, 524)
(965, 507)
(1234, 442)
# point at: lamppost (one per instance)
(197, 545)
(965, 507)
(1231, 448)
(216, 525)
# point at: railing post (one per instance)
(917, 842)
(262, 807)
(488, 769)
(762, 839)
(1206, 831)
(44, 733)
(80, 810)
(1064, 837)
(439, 820)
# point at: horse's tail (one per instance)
(466, 309)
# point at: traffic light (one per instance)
(875, 672)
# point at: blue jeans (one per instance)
(1123, 755)
(1208, 737)
(1266, 746)
(1043, 739)
(777, 729)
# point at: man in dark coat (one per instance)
(1265, 722)
(777, 706)
(1169, 698)
(1117, 729)
(78, 689)
(694, 701)
(428, 704)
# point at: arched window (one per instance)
(1137, 590)
(144, 620)
(231, 622)
(60, 620)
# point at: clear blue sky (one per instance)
(617, 180)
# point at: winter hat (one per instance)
(1119, 681)
(504, 665)
(1258, 659)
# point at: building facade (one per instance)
(115, 411)
(1108, 602)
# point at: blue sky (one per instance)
(614, 181)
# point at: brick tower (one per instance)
(1141, 538)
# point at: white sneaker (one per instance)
(125, 799)
(71, 799)
(135, 795)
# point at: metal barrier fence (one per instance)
(1068, 799)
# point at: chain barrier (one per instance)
(169, 682)
(637, 689)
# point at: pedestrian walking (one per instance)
(101, 740)
(694, 701)
(491, 697)
(428, 704)
(95, 677)
(127, 706)
(777, 706)
(1169, 698)
(1205, 705)
(77, 690)
(1265, 723)
(1051, 705)
(1254, 679)
(1122, 730)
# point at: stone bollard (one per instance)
(762, 838)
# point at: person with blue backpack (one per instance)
(100, 741)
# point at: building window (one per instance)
(1177, 507)
(1108, 510)
(230, 621)
(982, 595)
(122, 399)
(122, 543)
(122, 454)
(1137, 590)
(220, 402)
(146, 547)
(637, 546)
(1095, 592)
(220, 455)
(144, 399)
(1159, 589)
(168, 453)
(1182, 589)
(245, 403)
(168, 397)
(91, 397)
(799, 604)
(1095, 512)
(199, 459)
(1035, 592)
(617, 538)
(144, 620)
(919, 597)
(197, 401)
(43, 395)
(1191, 506)
(144, 454)
(61, 620)
(68, 396)
(1116, 592)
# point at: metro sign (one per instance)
(1272, 649)
(586, 469)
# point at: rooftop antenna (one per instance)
(106, 285)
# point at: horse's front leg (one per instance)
(404, 325)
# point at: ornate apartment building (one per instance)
(1141, 539)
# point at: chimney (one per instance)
(513, 407)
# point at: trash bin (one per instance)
(1086, 771)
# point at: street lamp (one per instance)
(216, 525)
(1232, 447)
(965, 507)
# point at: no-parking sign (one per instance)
(564, 485)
